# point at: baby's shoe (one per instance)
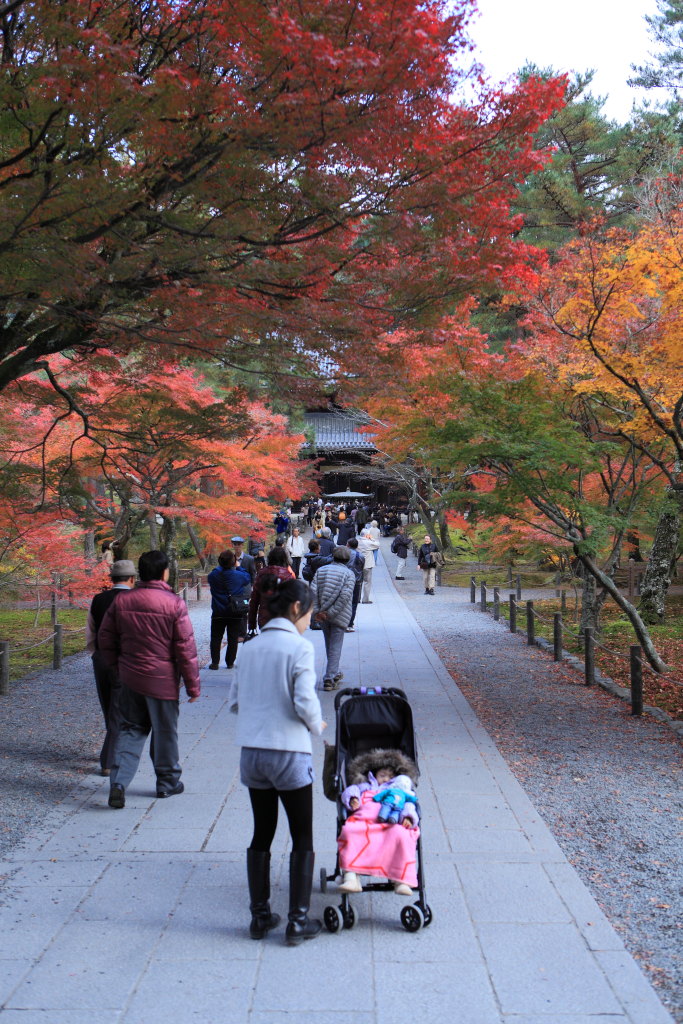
(350, 882)
(401, 889)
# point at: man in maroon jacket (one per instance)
(147, 637)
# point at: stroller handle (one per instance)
(367, 691)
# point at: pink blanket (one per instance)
(369, 847)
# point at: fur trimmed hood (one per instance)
(358, 768)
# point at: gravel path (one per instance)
(50, 735)
(609, 786)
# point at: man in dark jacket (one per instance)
(327, 545)
(230, 588)
(147, 638)
(399, 547)
(427, 561)
(356, 565)
(107, 683)
(347, 529)
(313, 560)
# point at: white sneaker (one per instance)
(350, 883)
(401, 889)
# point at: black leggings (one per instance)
(298, 805)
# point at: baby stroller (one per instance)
(369, 718)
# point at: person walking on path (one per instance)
(273, 695)
(332, 591)
(230, 588)
(373, 531)
(399, 547)
(146, 636)
(314, 560)
(296, 548)
(356, 565)
(346, 530)
(366, 550)
(427, 561)
(278, 566)
(108, 686)
(327, 545)
(242, 559)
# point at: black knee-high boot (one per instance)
(258, 875)
(300, 881)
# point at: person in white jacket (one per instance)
(277, 707)
(367, 547)
(296, 549)
(373, 531)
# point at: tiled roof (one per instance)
(338, 431)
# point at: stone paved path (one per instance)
(138, 916)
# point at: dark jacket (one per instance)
(400, 545)
(423, 559)
(347, 530)
(98, 609)
(224, 584)
(356, 564)
(327, 545)
(147, 636)
(258, 609)
(312, 563)
(247, 562)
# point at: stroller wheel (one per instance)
(323, 880)
(351, 917)
(412, 918)
(427, 911)
(333, 918)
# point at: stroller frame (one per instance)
(397, 716)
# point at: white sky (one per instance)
(608, 35)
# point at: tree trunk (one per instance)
(631, 612)
(444, 535)
(167, 536)
(153, 531)
(197, 545)
(662, 562)
(89, 546)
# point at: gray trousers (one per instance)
(334, 640)
(367, 585)
(400, 566)
(141, 715)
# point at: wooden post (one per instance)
(513, 614)
(193, 579)
(563, 602)
(483, 596)
(496, 604)
(510, 573)
(530, 624)
(519, 588)
(589, 654)
(53, 607)
(185, 594)
(4, 668)
(473, 590)
(636, 680)
(57, 648)
(557, 636)
(199, 590)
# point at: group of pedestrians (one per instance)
(143, 646)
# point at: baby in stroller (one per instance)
(380, 835)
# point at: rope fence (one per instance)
(634, 658)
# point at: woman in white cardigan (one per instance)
(274, 697)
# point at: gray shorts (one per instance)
(275, 769)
